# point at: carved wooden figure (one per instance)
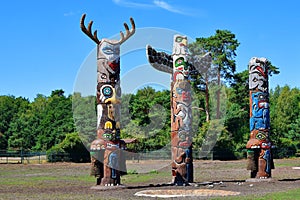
(260, 161)
(108, 161)
(180, 68)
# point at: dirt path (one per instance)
(71, 181)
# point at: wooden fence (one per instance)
(22, 157)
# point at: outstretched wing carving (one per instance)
(159, 60)
(201, 64)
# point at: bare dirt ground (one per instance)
(71, 181)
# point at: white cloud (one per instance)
(69, 14)
(155, 4)
(168, 7)
(133, 4)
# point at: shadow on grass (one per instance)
(150, 186)
(290, 179)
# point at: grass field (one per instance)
(72, 181)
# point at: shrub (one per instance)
(70, 149)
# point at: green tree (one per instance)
(284, 116)
(273, 70)
(56, 120)
(294, 130)
(125, 111)
(7, 110)
(237, 113)
(85, 117)
(10, 109)
(141, 104)
(285, 111)
(23, 131)
(223, 47)
(73, 146)
(43, 124)
(148, 118)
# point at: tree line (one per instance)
(220, 112)
(47, 123)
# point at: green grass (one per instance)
(287, 195)
(293, 162)
(36, 177)
(290, 194)
(143, 178)
(72, 181)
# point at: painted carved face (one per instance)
(180, 45)
(111, 53)
(185, 138)
(181, 66)
(108, 135)
(258, 74)
(259, 65)
(109, 93)
(263, 137)
(97, 144)
(181, 40)
(260, 100)
(182, 91)
(259, 139)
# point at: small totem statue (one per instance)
(107, 159)
(259, 146)
(179, 66)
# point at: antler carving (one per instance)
(128, 33)
(123, 38)
(88, 31)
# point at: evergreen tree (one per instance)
(223, 47)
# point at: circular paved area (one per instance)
(185, 193)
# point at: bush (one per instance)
(286, 148)
(56, 156)
(223, 154)
(70, 149)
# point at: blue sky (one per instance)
(42, 47)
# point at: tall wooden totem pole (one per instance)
(107, 157)
(259, 146)
(181, 113)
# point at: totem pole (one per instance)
(108, 161)
(259, 146)
(178, 65)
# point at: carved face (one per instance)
(110, 51)
(262, 135)
(110, 54)
(259, 139)
(260, 114)
(182, 91)
(108, 93)
(108, 135)
(97, 144)
(260, 101)
(180, 45)
(259, 65)
(258, 74)
(185, 139)
(181, 66)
